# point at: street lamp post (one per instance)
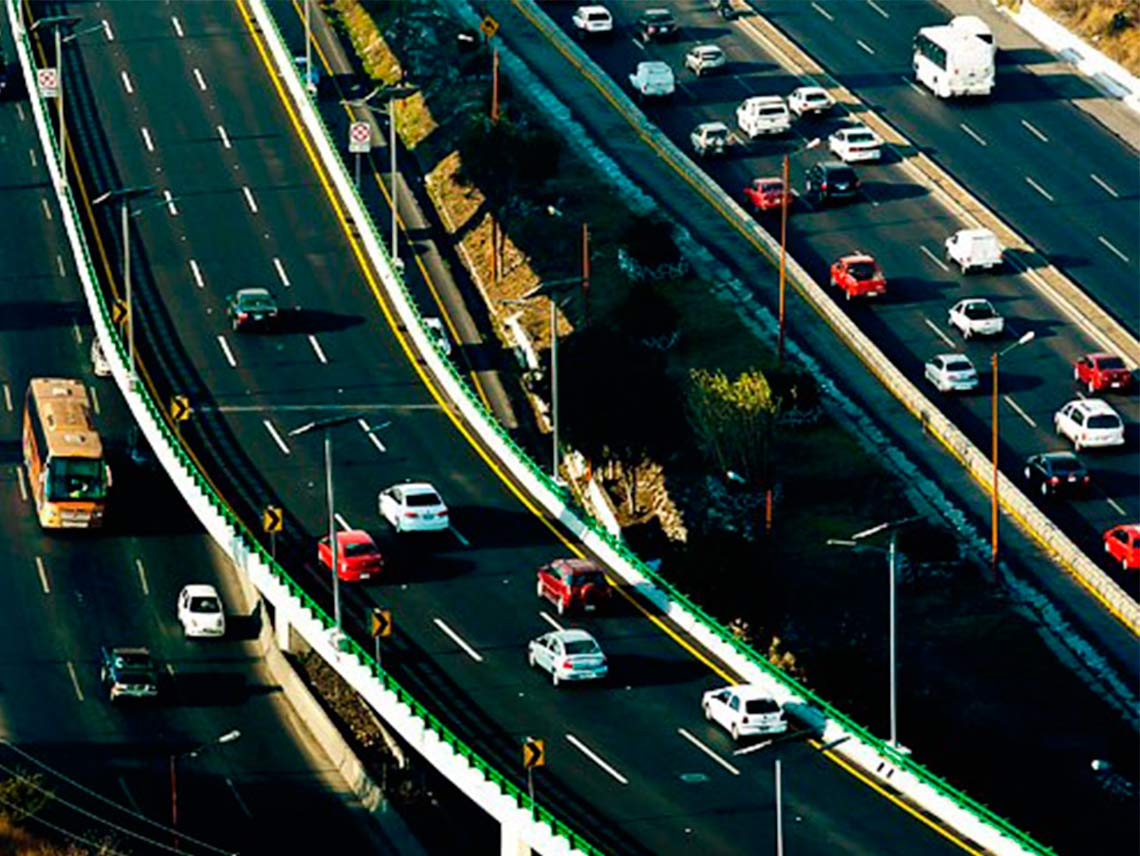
(995, 503)
(228, 737)
(784, 200)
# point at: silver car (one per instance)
(568, 655)
(951, 372)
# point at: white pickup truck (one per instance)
(653, 79)
(711, 138)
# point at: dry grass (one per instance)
(1092, 20)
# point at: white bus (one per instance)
(951, 62)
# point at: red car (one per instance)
(356, 554)
(1099, 372)
(1123, 544)
(859, 275)
(765, 194)
(573, 583)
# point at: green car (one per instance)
(128, 673)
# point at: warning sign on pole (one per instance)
(47, 79)
(359, 138)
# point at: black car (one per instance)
(251, 307)
(657, 25)
(128, 673)
(830, 181)
(1053, 472)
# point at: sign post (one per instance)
(359, 143)
(380, 626)
(534, 755)
(272, 520)
(180, 411)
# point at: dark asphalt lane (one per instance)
(904, 229)
(480, 585)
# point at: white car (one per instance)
(568, 655)
(763, 114)
(810, 99)
(744, 710)
(200, 611)
(99, 363)
(976, 316)
(1089, 422)
(437, 335)
(702, 58)
(856, 143)
(951, 372)
(592, 21)
(413, 507)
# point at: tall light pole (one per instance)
(784, 201)
(854, 543)
(57, 23)
(123, 196)
(310, 87)
(995, 503)
(228, 737)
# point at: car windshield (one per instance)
(716, 134)
(136, 677)
(658, 16)
(959, 364)
(862, 270)
(860, 137)
(1104, 421)
(253, 302)
(582, 646)
(1110, 363)
(76, 478)
(205, 603)
(814, 96)
(841, 176)
(422, 500)
(761, 705)
(770, 185)
(588, 578)
(356, 549)
(132, 661)
(980, 311)
(1066, 465)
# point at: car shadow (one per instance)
(639, 670)
(214, 689)
(888, 191)
(311, 321)
(243, 628)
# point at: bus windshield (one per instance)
(75, 478)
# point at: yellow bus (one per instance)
(63, 455)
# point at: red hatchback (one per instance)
(859, 275)
(765, 194)
(356, 554)
(1123, 544)
(573, 584)
(1098, 372)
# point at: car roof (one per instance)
(834, 164)
(200, 590)
(593, 8)
(713, 126)
(967, 301)
(573, 634)
(353, 536)
(656, 11)
(857, 256)
(764, 99)
(1101, 355)
(749, 692)
(976, 233)
(1057, 456)
(576, 565)
(953, 358)
(1093, 405)
(417, 487)
(1134, 528)
(810, 90)
(253, 291)
(709, 48)
(128, 651)
(775, 178)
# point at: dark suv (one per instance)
(1051, 473)
(128, 673)
(657, 25)
(573, 584)
(830, 181)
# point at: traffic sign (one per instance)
(272, 518)
(488, 26)
(47, 79)
(381, 624)
(119, 312)
(534, 753)
(359, 138)
(180, 409)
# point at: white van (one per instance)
(763, 114)
(976, 27)
(974, 248)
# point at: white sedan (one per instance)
(856, 143)
(200, 611)
(951, 372)
(413, 507)
(976, 316)
(810, 99)
(744, 710)
(568, 655)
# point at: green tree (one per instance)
(733, 420)
(22, 795)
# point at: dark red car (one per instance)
(573, 584)
(859, 275)
(1123, 544)
(765, 194)
(356, 554)
(1098, 372)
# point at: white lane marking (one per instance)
(74, 681)
(317, 349)
(126, 83)
(32, 157)
(1038, 188)
(47, 209)
(249, 198)
(142, 577)
(1112, 249)
(237, 796)
(94, 393)
(200, 80)
(76, 332)
(228, 353)
(22, 482)
(196, 272)
(42, 571)
(277, 438)
(1119, 509)
(549, 619)
(129, 795)
(596, 758)
(463, 542)
(1107, 188)
(970, 132)
(170, 669)
(20, 110)
(865, 46)
(177, 26)
(913, 85)
(1009, 400)
(107, 30)
(877, 8)
(458, 640)
(822, 11)
(1034, 131)
(60, 265)
(637, 44)
(937, 330)
(147, 141)
(935, 259)
(170, 206)
(371, 435)
(8, 398)
(281, 275)
(224, 137)
(341, 522)
(708, 751)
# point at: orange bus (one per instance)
(63, 455)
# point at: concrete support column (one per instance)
(283, 633)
